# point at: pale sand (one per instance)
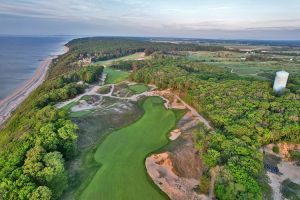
(160, 169)
(11, 102)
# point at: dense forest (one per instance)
(102, 48)
(246, 114)
(38, 139)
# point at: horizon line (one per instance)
(138, 36)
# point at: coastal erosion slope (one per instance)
(11, 102)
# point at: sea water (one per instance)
(20, 56)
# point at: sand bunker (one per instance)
(175, 134)
(161, 170)
(287, 169)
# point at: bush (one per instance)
(204, 184)
(275, 149)
(295, 155)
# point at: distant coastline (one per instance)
(11, 102)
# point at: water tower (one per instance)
(280, 80)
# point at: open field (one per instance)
(115, 76)
(138, 88)
(134, 56)
(233, 61)
(122, 155)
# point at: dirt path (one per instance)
(213, 173)
(194, 112)
(94, 91)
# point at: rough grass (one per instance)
(86, 97)
(69, 106)
(138, 88)
(104, 90)
(122, 174)
(290, 190)
(115, 76)
(80, 113)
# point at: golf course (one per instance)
(115, 76)
(122, 154)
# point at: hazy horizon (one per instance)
(206, 19)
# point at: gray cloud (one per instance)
(141, 17)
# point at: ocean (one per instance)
(20, 56)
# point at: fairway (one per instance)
(138, 88)
(115, 76)
(122, 154)
(124, 58)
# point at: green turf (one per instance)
(86, 97)
(138, 88)
(122, 155)
(69, 106)
(80, 113)
(124, 58)
(115, 76)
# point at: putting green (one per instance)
(122, 155)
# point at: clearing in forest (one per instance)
(115, 76)
(135, 56)
(122, 154)
(138, 88)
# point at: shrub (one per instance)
(204, 184)
(275, 149)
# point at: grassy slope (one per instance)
(124, 58)
(122, 174)
(138, 88)
(115, 76)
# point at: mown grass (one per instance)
(124, 58)
(138, 88)
(122, 174)
(115, 76)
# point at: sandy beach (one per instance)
(11, 102)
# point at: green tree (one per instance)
(211, 158)
(41, 193)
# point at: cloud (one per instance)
(67, 9)
(153, 17)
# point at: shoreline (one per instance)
(11, 102)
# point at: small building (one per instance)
(280, 81)
(86, 61)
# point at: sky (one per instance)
(217, 19)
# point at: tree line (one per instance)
(38, 139)
(246, 114)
